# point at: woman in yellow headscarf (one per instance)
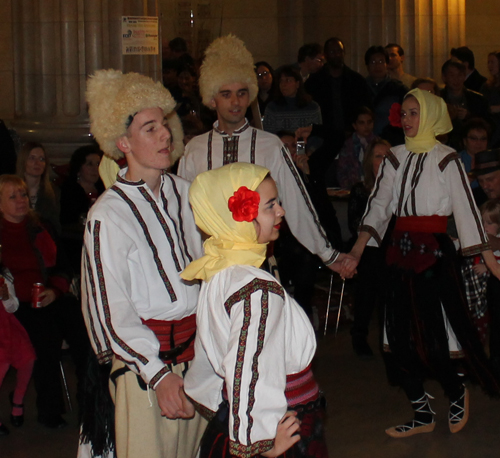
(254, 343)
(426, 317)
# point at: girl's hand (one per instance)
(479, 269)
(4, 292)
(286, 435)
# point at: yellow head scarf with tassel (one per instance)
(434, 120)
(231, 242)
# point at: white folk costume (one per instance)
(227, 61)
(254, 343)
(422, 183)
(248, 144)
(139, 313)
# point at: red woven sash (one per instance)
(432, 224)
(172, 335)
(301, 388)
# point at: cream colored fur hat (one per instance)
(114, 96)
(227, 61)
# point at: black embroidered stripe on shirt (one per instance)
(470, 199)
(305, 195)
(244, 294)
(104, 298)
(154, 250)
(230, 149)
(179, 215)
(252, 146)
(90, 279)
(209, 150)
(375, 192)
(403, 183)
(163, 225)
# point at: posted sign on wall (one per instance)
(140, 35)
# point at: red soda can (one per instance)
(36, 302)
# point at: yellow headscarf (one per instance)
(231, 242)
(434, 120)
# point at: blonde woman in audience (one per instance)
(33, 167)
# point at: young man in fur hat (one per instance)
(228, 84)
(139, 236)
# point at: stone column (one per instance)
(57, 44)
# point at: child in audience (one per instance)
(350, 163)
(490, 212)
(15, 348)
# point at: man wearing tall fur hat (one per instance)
(228, 84)
(139, 236)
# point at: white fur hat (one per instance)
(227, 61)
(115, 97)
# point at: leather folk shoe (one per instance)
(459, 412)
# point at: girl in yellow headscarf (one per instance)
(254, 343)
(426, 318)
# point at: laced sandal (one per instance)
(422, 410)
(459, 412)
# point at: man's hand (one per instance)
(47, 297)
(286, 435)
(171, 398)
(302, 162)
(303, 132)
(344, 265)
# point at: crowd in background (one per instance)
(348, 123)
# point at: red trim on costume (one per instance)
(432, 224)
(301, 388)
(171, 334)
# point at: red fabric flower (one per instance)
(395, 115)
(244, 204)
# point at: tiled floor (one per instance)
(361, 406)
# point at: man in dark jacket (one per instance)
(463, 104)
(340, 92)
(473, 79)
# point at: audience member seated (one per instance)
(340, 92)
(34, 168)
(31, 255)
(385, 91)
(349, 164)
(296, 264)
(487, 172)
(476, 133)
(170, 68)
(370, 269)
(186, 93)
(78, 193)
(395, 66)
(177, 49)
(473, 79)
(15, 348)
(309, 59)
(292, 107)
(490, 211)
(463, 103)
(427, 84)
(267, 84)
(491, 91)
